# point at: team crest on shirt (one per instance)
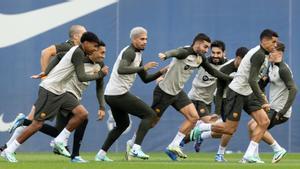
(43, 115)
(235, 115)
(202, 110)
(157, 110)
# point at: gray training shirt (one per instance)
(204, 85)
(245, 81)
(183, 64)
(282, 88)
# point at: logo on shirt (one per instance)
(235, 115)
(206, 78)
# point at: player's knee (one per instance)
(194, 118)
(123, 126)
(152, 116)
(84, 115)
(264, 123)
(156, 120)
(231, 130)
(37, 124)
(250, 125)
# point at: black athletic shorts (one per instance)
(235, 103)
(202, 108)
(49, 104)
(273, 120)
(162, 100)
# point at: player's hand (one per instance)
(105, 70)
(96, 69)
(101, 114)
(150, 65)
(159, 79)
(162, 56)
(266, 107)
(164, 70)
(38, 76)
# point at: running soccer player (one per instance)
(282, 94)
(122, 102)
(59, 50)
(53, 96)
(169, 90)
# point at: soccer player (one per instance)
(75, 33)
(282, 95)
(204, 84)
(244, 93)
(121, 101)
(53, 96)
(222, 86)
(169, 90)
(229, 68)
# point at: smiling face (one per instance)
(217, 54)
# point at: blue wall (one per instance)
(171, 23)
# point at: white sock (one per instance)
(101, 153)
(256, 152)
(178, 138)
(136, 147)
(205, 126)
(251, 149)
(16, 134)
(275, 146)
(133, 139)
(63, 137)
(221, 150)
(11, 148)
(206, 135)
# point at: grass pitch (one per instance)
(158, 160)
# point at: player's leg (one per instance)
(78, 136)
(222, 148)
(204, 112)
(47, 106)
(147, 115)
(253, 107)
(279, 152)
(121, 118)
(71, 104)
(184, 105)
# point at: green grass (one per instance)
(156, 161)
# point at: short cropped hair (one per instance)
(75, 29)
(201, 37)
(268, 33)
(136, 31)
(91, 37)
(241, 52)
(218, 44)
